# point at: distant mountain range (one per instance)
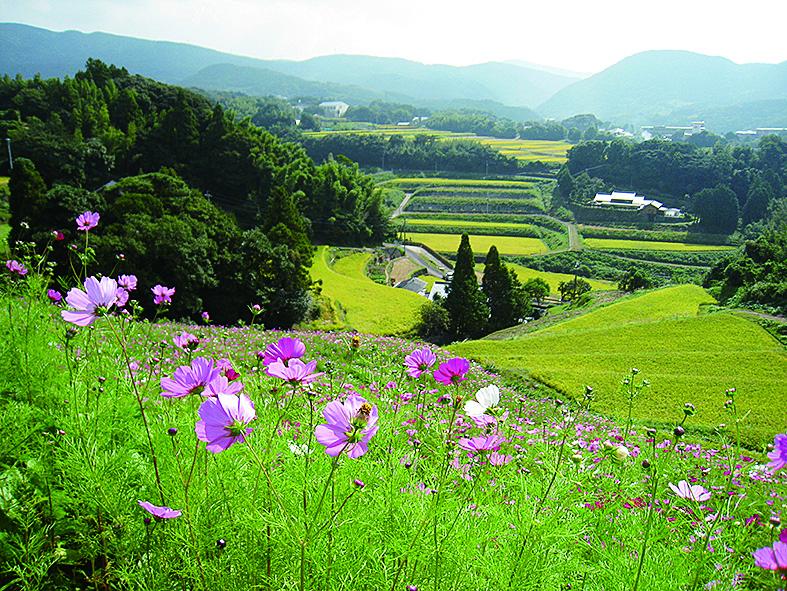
(654, 87)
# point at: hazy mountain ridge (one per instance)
(662, 86)
(30, 50)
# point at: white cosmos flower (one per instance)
(485, 399)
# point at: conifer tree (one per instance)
(27, 198)
(467, 309)
(507, 300)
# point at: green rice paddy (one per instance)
(510, 245)
(368, 306)
(554, 279)
(687, 357)
(615, 244)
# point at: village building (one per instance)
(648, 208)
(334, 109)
(413, 284)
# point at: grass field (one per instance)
(686, 356)
(369, 307)
(512, 245)
(614, 244)
(441, 182)
(554, 279)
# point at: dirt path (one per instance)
(400, 210)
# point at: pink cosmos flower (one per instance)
(16, 267)
(159, 512)
(186, 341)
(128, 282)
(97, 299)
(54, 296)
(222, 385)
(58, 235)
(481, 443)
(224, 420)
(162, 295)
(778, 457)
(294, 372)
(205, 317)
(284, 349)
(349, 427)
(122, 295)
(419, 361)
(87, 221)
(692, 492)
(452, 371)
(189, 379)
(773, 557)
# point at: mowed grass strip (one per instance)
(615, 244)
(511, 245)
(369, 306)
(687, 358)
(554, 279)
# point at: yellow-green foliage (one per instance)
(554, 279)
(4, 230)
(687, 358)
(368, 306)
(511, 245)
(3, 180)
(614, 244)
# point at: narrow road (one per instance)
(399, 210)
(423, 258)
(574, 242)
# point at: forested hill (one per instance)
(76, 140)
(661, 87)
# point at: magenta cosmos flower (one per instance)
(224, 421)
(294, 372)
(97, 299)
(186, 341)
(189, 379)
(16, 267)
(773, 557)
(159, 512)
(222, 385)
(128, 282)
(778, 457)
(87, 221)
(349, 427)
(481, 443)
(419, 361)
(284, 349)
(162, 295)
(452, 371)
(692, 492)
(54, 296)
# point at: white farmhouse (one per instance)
(334, 109)
(632, 201)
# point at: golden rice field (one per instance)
(525, 150)
(510, 245)
(615, 244)
(554, 279)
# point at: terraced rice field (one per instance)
(467, 223)
(368, 306)
(510, 245)
(417, 182)
(525, 150)
(687, 357)
(554, 279)
(615, 244)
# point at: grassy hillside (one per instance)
(368, 306)
(686, 356)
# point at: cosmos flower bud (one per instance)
(359, 483)
(679, 431)
(689, 410)
(634, 370)
(621, 453)
(646, 464)
(776, 521)
(172, 431)
(651, 432)
(221, 543)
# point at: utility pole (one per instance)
(10, 156)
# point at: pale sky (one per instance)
(578, 35)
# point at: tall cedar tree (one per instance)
(27, 196)
(465, 302)
(507, 300)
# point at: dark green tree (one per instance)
(507, 301)
(757, 200)
(635, 279)
(27, 197)
(717, 209)
(536, 289)
(465, 302)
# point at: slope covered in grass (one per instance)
(368, 306)
(554, 279)
(685, 356)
